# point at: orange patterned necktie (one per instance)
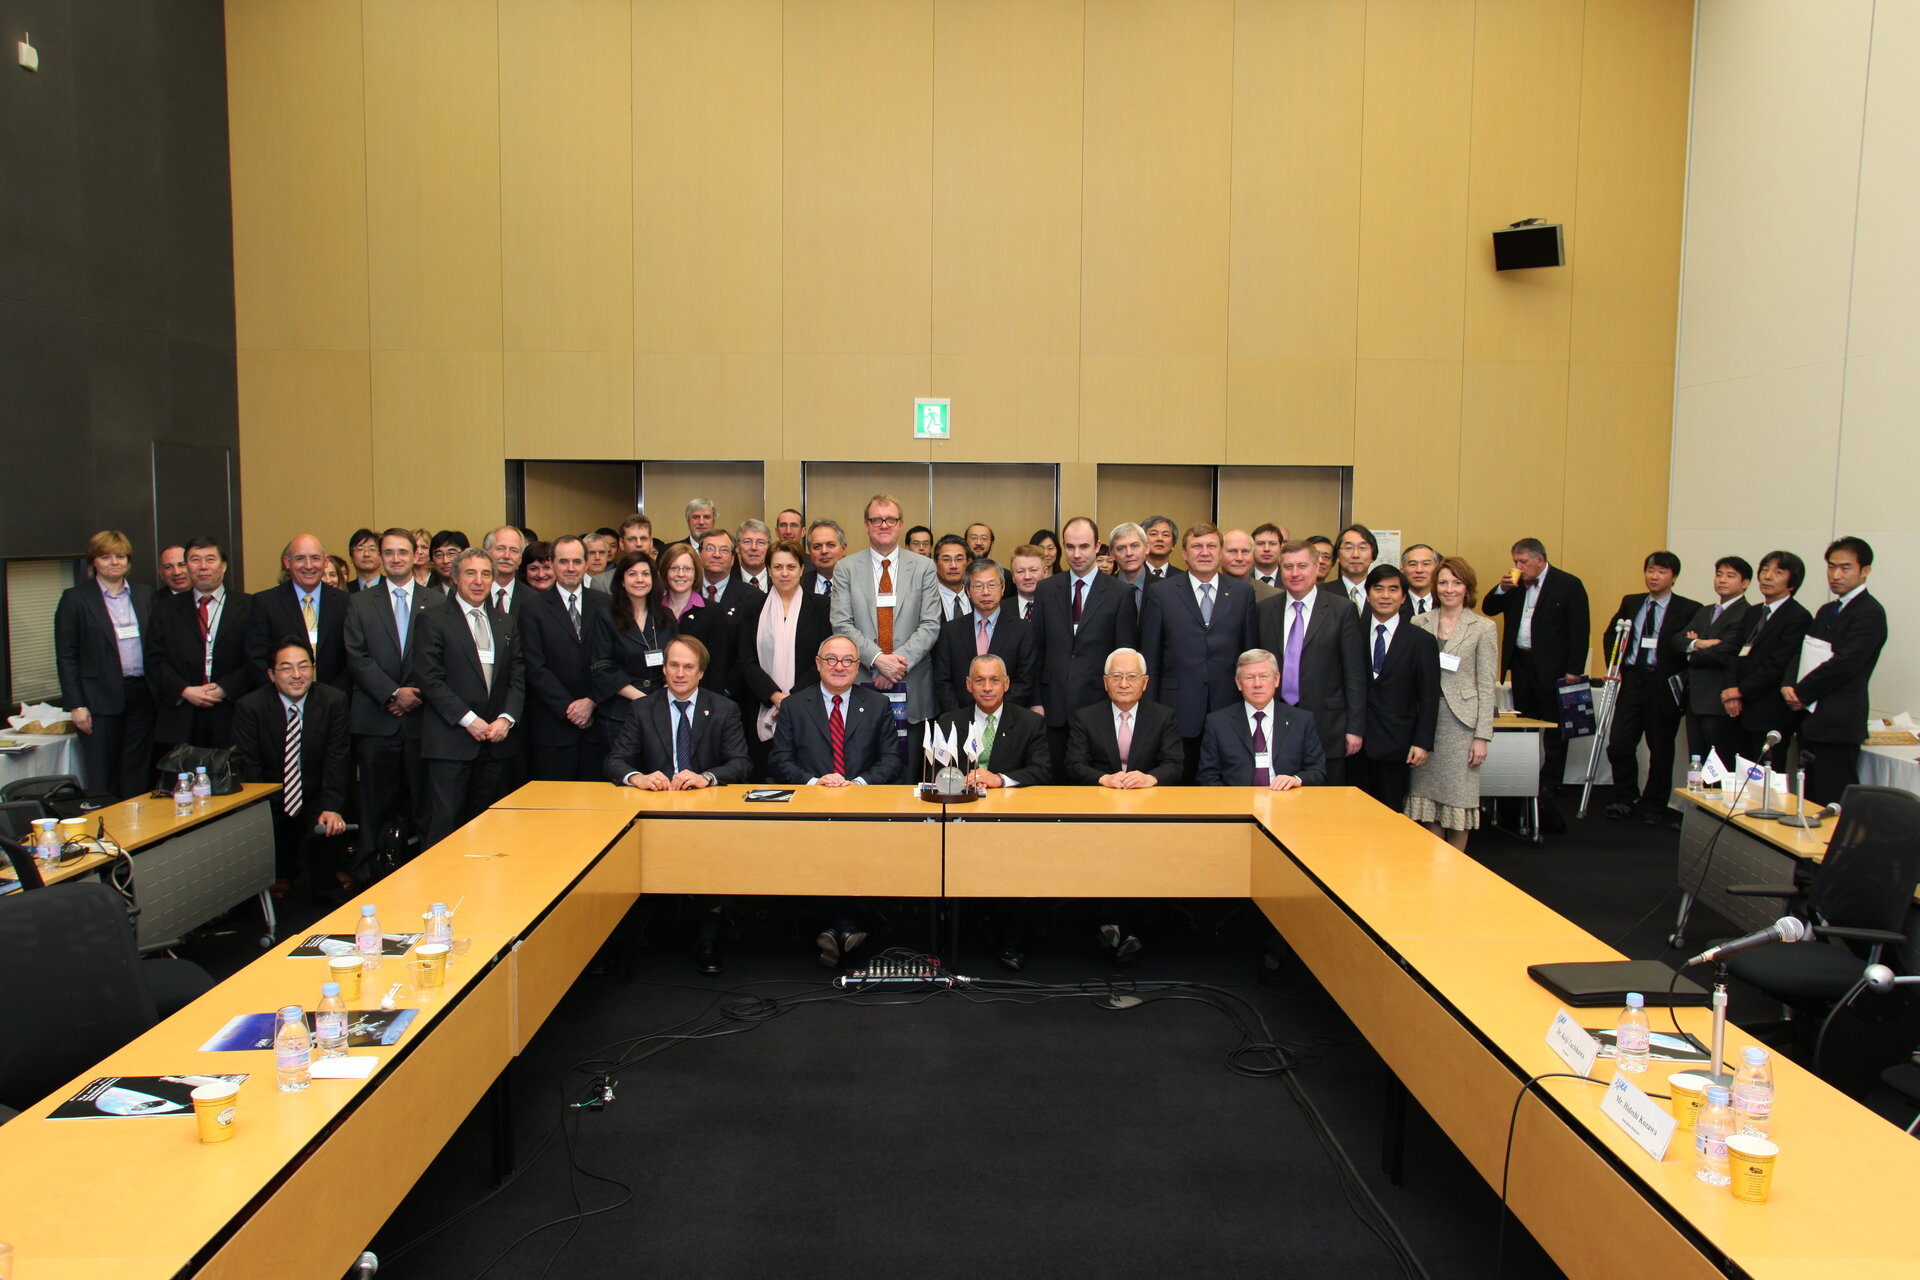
(885, 611)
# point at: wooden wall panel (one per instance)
(297, 135)
(1302, 500)
(568, 404)
(566, 175)
(437, 417)
(735, 489)
(578, 497)
(1407, 416)
(303, 414)
(1006, 223)
(1295, 231)
(1012, 500)
(1182, 494)
(839, 491)
(1511, 479)
(1159, 111)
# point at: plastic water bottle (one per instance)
(1753, 1093)
(330, 1023)
(46, 843)
(292, 1049)
(366, 938)
(1632, 1040)
(1694, 784)
(1710, 1130)
(202, 788)
(183, 795)
(439, 924)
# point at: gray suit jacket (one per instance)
(916, 619)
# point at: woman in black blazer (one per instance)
(97, 630)
(629, 643)
(782, 641)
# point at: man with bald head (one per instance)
(301, 606)
(1237, 562)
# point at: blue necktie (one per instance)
(401, 617)
(683, 737)
(1379, 646)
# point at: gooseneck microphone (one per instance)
(1785, 929)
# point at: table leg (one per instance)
(500, 1123)
(1393, 1130)
(267, 913)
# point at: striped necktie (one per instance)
(290, 795)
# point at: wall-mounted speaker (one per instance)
(1532, 243)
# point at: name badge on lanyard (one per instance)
(656, 657)
(129, 632)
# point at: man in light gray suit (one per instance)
(886, 600)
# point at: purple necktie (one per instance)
(1290, 665)
(1261, 776)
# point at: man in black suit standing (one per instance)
(1013, 742)
(1261, 741)
(363, 553)
(387, 712)
(504, 547)
(1082, 615)
(473, 679)
(555, 627)
(294, 732)
(1403, 699)
(826, 543)
(196, 654)
(1831, 696)
(1708, 644)
(684, 739)
(1651, 664)
(1125, 742)
(840, 734)
(987, 628)
(174, 579)
(1323, 660)
(1545, 632)
(1193, 628)
(733, 605)
(306, 606)
(1769, 653)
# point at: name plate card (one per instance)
(1570, 1040)
(1644, 1120)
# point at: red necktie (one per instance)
(837, 731)
(1079, 585)
(206, 603)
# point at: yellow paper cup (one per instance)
(1689, 1090)
(213, 1108)
(72, 829)
(436, 954)
(346, 971)
(1750, 1160)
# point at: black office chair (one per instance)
(76, 988)
(37, 787)
(1859, 897)
(16, 818)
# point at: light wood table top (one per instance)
(136, 823)
(727, 802)
(1801, 842)
(1521, 722)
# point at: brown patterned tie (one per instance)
(885, 611)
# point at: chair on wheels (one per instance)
(1858, 900)
(76, 987)
(37, 787)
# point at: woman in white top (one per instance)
(1445, 795)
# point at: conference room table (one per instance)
(1424, 949)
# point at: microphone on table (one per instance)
(1773, 740)
(1785, 929)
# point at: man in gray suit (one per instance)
(886, 600)
(1709, 643)
(1322, 656)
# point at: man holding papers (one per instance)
(1836, 662)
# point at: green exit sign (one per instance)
(933, 419)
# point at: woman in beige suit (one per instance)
(1445, 795)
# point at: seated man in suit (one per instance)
(987, 628)
(1124, 742)
(1261, 742)
(1403, 701)
(294, 732)
(1013, 744)
(474, 683)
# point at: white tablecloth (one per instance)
(55, 753)
(1891, 767)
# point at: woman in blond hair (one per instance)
(1444, 794)
(97, 631)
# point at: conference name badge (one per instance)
(1570, 1040)
(656, 657)
(884, 601)
(1449, 662)
(129, 632)
(1263, 760)
(1644, 1120)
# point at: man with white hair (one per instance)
(1261, 741)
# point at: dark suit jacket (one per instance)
(810, 581)
(801, 749)
(1857, 633)
(559, 667)
(1670, 657)
(753, 688)
(1226, 748)
(1710, 670)
(175, 654)
(1093, 750)
(452, 683)
(718, 626)
(1019, 743)
(1334, 669)
(1190, 661)
(953, 654)
(645, 743)
(86, 653)
(276, 613)
(1403, 701)
(1562, 627)
(260, 746)
(1072, 661)
(376, 664)
(1772, 659)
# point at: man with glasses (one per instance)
(304, 605)
(1125, 742)
(887, 601)
(986, 627)
(293, 732)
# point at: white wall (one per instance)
(1797, 396)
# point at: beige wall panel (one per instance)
(698, 403)
(1633, 156)
(1523, 158)
(1786, 413)
(569, 404)
(858, 183)
(853, 406)
(433, 175)
(1182, 494)
(1012, 406)
(1413, 184)
(1877, 444)
(302, 410)
(706, 175)
(437, 416)
(839, 491)
(1153, 408)
(1080, 492)
(1407, 434)
(1294, 410)
(1302, 500)
(566, 175)
(1512, 476)
(1885, 311)
(297, 135)
(1013, 500)
(736, 490)
(576, 497)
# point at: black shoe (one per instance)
(1653, 817)
(1675, 819)
(1127, 950)
(1550, 820)
(1012, 958)
(706, 951)
(1110, 936)
(829, 943)
(1619, 812)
